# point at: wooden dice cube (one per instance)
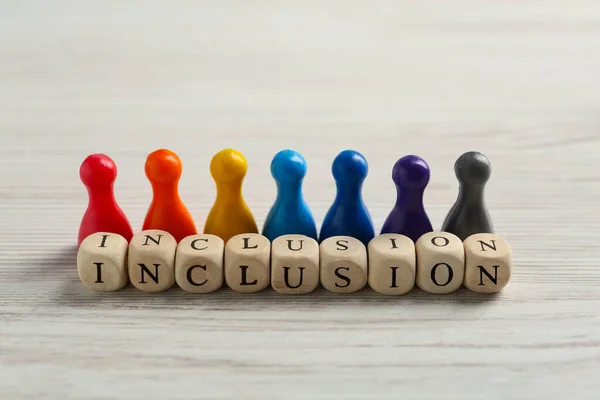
(294, 264)
(343, 264)
(392, 264)
(102, 262)
(440, 262)
(488, 263)
(152, 260)
(199, 263)
(247, 262)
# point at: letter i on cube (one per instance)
(392, 264)
(102, 262)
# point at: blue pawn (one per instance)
(348, 215)
(408, 217)
(289, 214)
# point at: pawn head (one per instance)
(349, 166)
(473, 168)
(411, 172)
(163, 166)
(228, 165)
(288, 165)
(98, 170)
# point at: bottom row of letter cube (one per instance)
(439, 262)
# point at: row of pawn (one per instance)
(230, 215)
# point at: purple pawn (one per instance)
(408, 217)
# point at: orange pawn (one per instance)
(229, 215)
(167, 212)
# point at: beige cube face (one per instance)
(102, 262)
(152, 260)
(248, 262)
(440, 262)
(199, 263)
(343, 264)
(392, 264)
(488, 263)
(294, 264)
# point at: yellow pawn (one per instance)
(230, 215)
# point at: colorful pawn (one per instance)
(289, 214)
(408, 217)
(469, 215)
(230, 215)
(98, 173)
(348, 215)
(167, 212)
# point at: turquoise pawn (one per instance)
(289, 214)
(348, 215)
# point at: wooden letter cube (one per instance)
(392, 264)
(152, 260)
(294, 264)
(440, 262)
(199, 263)
(102, 262)
(248, 262)
(488, 260)
(343, 264)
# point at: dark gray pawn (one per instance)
(469, 215)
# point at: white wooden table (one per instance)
(515, 80)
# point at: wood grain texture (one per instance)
(515, 80)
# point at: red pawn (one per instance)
(98, 173)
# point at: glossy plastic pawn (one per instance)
(408, 217)
(290, 213)
(167, 212)
(98, 173)
(470, 215)
(348, 215)
(229, 215)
